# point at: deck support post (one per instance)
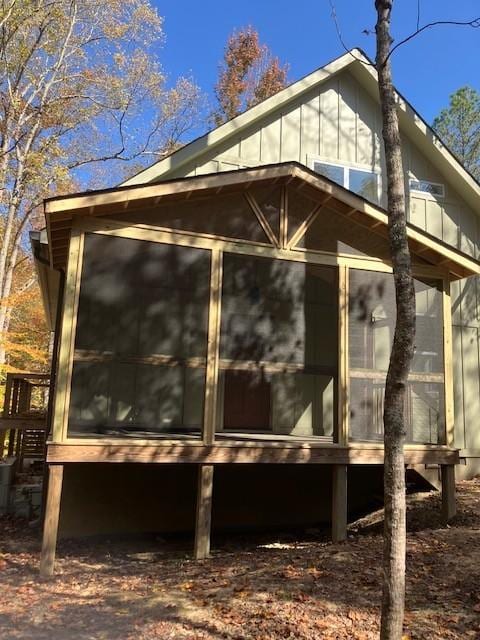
(50, 524)
(11, 442)
(203, 517)
(339, 502)
(449, 507)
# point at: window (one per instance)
(360, 181)
(427, 188)
(331, 171)
(364, 183)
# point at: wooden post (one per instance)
(7, 401)
(284, 218)
(449, 437)
(24, 396)
(449, 507)
(15, 394)
(67, 338)
(213, 346)
(343, 377)
(339, 502)
(11, 442)
(51, 395)
(13, 409)
(18, 449)
(204, 512)
(50, 524)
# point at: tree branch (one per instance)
(475, 24)
(340, 37)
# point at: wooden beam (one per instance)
(203, 518)
(261, 218)
(449, 438)
(343, 363)
(380, 376)
(341, 200)
(7, 401)
(67, 336)
(18, 444)
(148, 233)
(306, 224)
(22, 423)
(240, 452)
(284, 218)
(213, 346)
(73, 203)
(87, 355)
(11, 443)
(59, 234)
(339, 502)
(61, 225)
(29, 376)
(50, 525)
(61, 244)
(15, 395)
(53, 384)
(449, 507)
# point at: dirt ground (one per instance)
(268, 587)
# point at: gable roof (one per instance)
(363, 69)
(60, 211)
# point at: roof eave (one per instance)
(364, 71)
(90, 203)
(232, 127)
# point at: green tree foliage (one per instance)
(248, 74)
(459, 127)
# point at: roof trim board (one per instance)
(240, 122)
(61, 210)
(364, 71)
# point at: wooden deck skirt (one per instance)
(251, 453)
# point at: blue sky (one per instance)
(426, 70)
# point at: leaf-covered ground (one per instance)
(259, 588)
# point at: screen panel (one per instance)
(335, 233)
(141, 339)
(268, 199)
(225, 215)
(371, 322)
(299, 207)
(278, 347)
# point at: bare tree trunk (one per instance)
(393, 601)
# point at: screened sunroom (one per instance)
(252, 305)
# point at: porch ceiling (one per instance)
(60, 211)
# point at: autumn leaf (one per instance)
(249, 74)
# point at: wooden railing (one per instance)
(23, 424)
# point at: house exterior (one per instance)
(233, 306)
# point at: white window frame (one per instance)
(426, 194)
(311, 160)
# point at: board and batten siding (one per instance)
(339, 121)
